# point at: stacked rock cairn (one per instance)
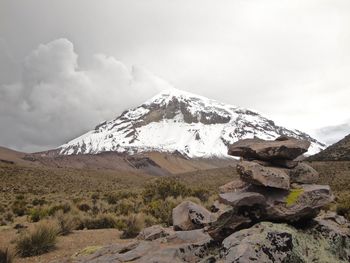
(273, 186)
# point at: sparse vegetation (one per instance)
(66, 222)
(39, 241)
(343, 205)
(133, 225)
(96, 199)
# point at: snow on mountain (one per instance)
(178, 121)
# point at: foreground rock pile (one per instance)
(271, 214)
(272, 186)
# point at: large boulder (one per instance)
(286, 149)
(303, 173)
(227, 223)
(300, 203)
(257, 174)
(254, 204)
(264, 242)
(324, 240)
(189, 216)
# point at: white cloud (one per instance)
(57, 100)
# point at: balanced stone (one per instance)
(286, 149)
(257, 174)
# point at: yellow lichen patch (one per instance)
(293, 196)
(87, 251)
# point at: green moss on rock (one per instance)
(293, 196)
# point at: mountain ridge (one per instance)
(339, 151)
(179, 121)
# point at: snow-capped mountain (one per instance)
(178, 121)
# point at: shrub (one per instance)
(8, 217)
(36, 214)
(6, 256)
(162, 209)
(343, 206)
(113, 198)
(202, 193)
(163, 188)
(39, 241)
(99, 222)
(64, 207)
(66, 222)
(125, 207)
(84, 207)
(39, 202)
(134, 224)
(19, 207)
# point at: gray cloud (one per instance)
(332, 134)
(56, 99)
(290, 60)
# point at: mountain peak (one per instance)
(180, 121)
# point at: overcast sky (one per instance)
(67, 65)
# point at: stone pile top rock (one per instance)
(285, 148)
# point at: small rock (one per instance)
(303, 173)
(189, 216)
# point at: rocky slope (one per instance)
(178, 121)
(339, 151)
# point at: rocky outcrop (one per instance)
(271, 214)
(324, 240)
(272, 192)
(181, 246)
(189, 216)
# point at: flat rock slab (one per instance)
(182, 246)
(154, 232)
(232, 186)
(303, 202)
(239, 198)
(257, 174)
(287, 149)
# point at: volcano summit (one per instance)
(182, 122)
